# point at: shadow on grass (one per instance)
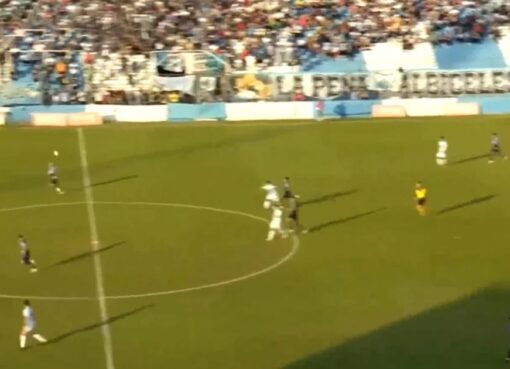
(85, 255)
(331, 223)
(472, 158)
(462, 205)
(468, 333)
(115, 180)
(328, 197)
(91, 327)
(206, 146)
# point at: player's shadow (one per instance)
(84, 255)
(93, 326)
(468, 332)
(331, 223)
(210, 144)
(328, 197)
(475, 201)
(467, 160)
(114, 180)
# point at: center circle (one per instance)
(151, 250)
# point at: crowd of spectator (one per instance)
(112, 36)
(248, 32)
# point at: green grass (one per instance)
(373, 286)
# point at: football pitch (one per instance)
(155, 256)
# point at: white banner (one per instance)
(439, 83)
(184, 84)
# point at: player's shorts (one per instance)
(422, 201)
(28, 328)
(293, 215)
(496, 149)
(267, 204)
(26, 257)
(276, 224)
(441, 161)
(54, 180)
(287, 194)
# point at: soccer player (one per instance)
(275, 226)
(496, 148)
(287, 193)
(293, 216)
(271, 195)
(54, 180)
(28, 327)
(442, 147)
(26, 258)
(421, 199)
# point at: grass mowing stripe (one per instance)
(98, 268)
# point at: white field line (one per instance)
(39, 206)
(98, 268)
(290, 255)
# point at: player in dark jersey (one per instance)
(287, 193)
(53, 176)
(293, 217)
(496, 150)
(26, 257)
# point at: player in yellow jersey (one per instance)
(421, 199)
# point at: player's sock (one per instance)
(270, 235)
(22, 341)
(40, 338)
(33, 266)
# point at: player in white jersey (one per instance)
(28, 328)
(442, 148)
(271, 195)
(53, 176)
(26, 257)
(275, 226)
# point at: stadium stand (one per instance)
(86, 51)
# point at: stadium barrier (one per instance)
(4, 113)
(396, 108)
(130, 113)
(71, 115)
(66, 120)
(196, 112)
(49, 119)
(489, 104)
(388, 111)
(461, 109)
(349, 109)
(269, 111)
(23, 114)
(421, 107)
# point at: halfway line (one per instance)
(94, 238)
